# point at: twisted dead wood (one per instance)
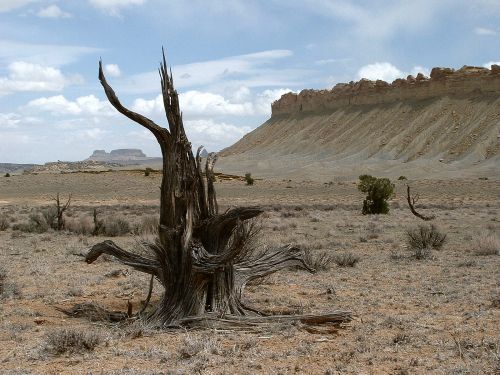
(411, 203)
(202, 258)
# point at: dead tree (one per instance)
(201, 257)
(60, 211)
(411, 202)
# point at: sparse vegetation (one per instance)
(486, 243)
(423, 239)
(71, 341)
(402, 178)
(116, 226)
(346, 259)
(319, 260)
(248, 179)
(7, 174)
(148, 225)
(4, 222)
(148, 171)
(378, 191)
(7, 289)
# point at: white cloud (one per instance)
(197, 104)
(375, 20)
(53, 11)
(113, 7)
(484, 31)
(8, 5)
(213, 135)
(266, 98)
(384, 71)
(113, 70)
(9, 120)
(42, 54)
(387, 72)
(490, 63)
(24, 76)
(249, 69)
(83, 105)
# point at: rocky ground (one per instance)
(438, 315)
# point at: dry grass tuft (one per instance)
(487, 243)
(346, 259)
(318, 260)
(71, 341)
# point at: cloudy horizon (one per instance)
(230, 61)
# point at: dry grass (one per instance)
(486, 243)
(408, 311)
(71, 341)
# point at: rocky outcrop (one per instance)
(123, 154)
(447, 124)
(442, 82)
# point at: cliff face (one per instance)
(123, 154)
(448, 124)
(442, 82)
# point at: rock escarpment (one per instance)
(442, 82)
(447, 125)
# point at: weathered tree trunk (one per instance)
(201, 257)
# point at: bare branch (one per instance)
(136, 261)
(157, 130)
(411, 203)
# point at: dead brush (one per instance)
(7, 289)
(486, 243)
(193, 346)
(423, 238)
(71, 341)
(346, 259)
(318, 260)
(4, 222)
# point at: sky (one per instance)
(230, 60)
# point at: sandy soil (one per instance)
(434, 316)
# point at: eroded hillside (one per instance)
(443, 126)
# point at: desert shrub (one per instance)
(487, 243)
(402, 178)
(71, 341)
(7, 289)
(346, 259)
(7, 174)
(148, 225)
(82, 225)
(192, 346)
(378, 191)
(36, 224)
(248, 179)
(423, 238)
(318, 260)
(148, 171)
(116, 226)
(4, 222)
(373, 230)
(50, 217)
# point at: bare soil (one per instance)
(438, 315)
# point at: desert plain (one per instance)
(438, 315)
